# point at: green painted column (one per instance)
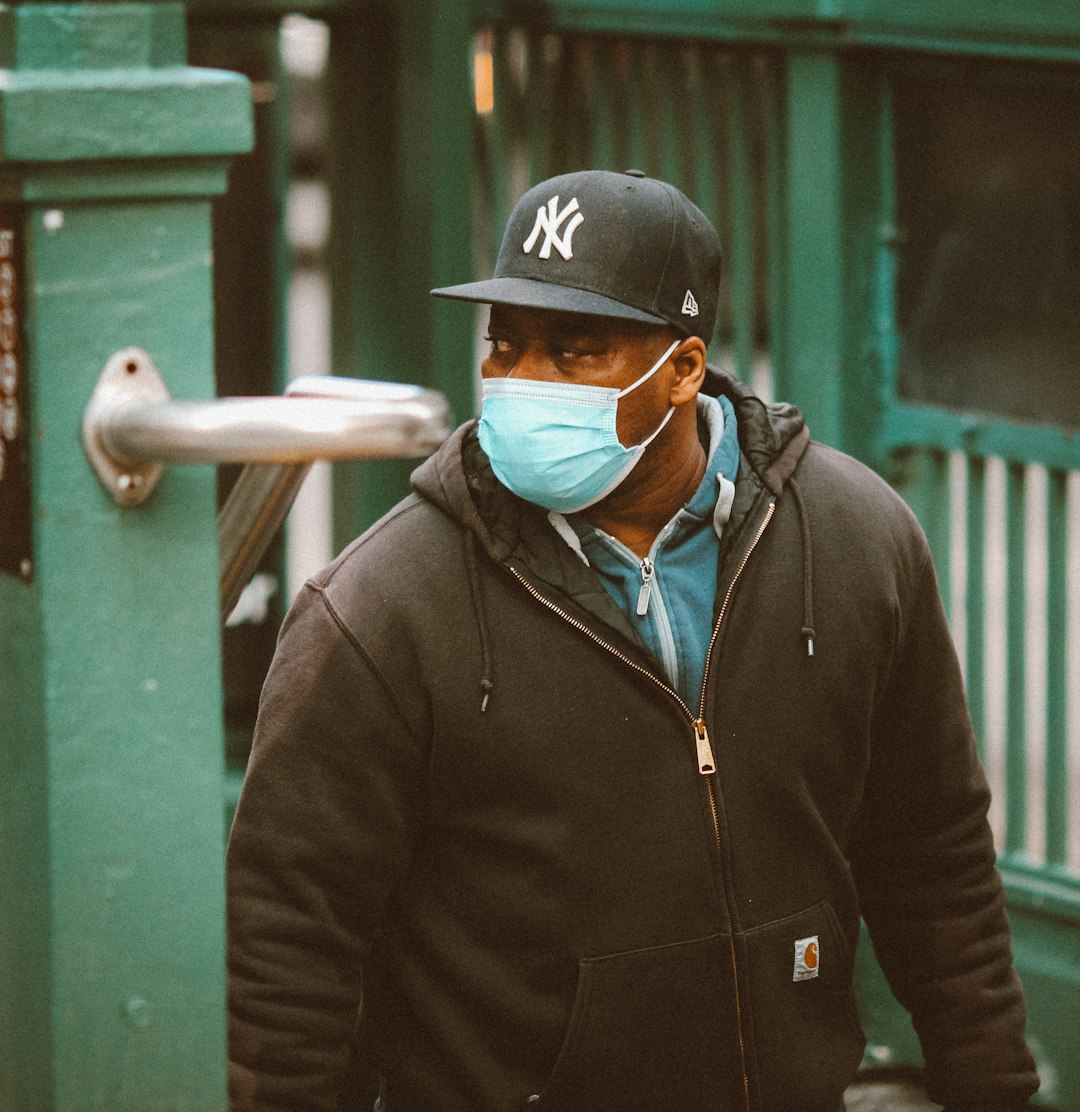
(111, 879)
(832, 230)
(402, 118)
(814, 346)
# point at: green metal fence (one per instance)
(842, 149)
(897, 185)
(981, 444)
(892, 184)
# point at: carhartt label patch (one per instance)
(550, 220)
(807, 958)
(689, 305)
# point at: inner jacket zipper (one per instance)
(705, 760)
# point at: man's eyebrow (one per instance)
(554, 330)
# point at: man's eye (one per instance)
(499, 346)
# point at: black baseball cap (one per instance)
(611, 245)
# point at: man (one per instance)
(586, 759)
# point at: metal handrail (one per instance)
(132, 427)
(288, 429)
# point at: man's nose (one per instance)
(534, 362)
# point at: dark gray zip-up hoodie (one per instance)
(566, 890)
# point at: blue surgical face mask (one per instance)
(555, 443)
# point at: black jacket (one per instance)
(473, 785)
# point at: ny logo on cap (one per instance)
(548, 221)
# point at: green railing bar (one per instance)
(884, 354)
(1048, 889)
(1016, 779)
(742, 232)
(702, 183)
(908, 425)
(925, 485)
(604, 114)
(1057, 756)
(775, 227)
(570, 135)
(975, 598)
(818, 292)
(495, 132)
(669, 86)
(536, 114)
(636, 123)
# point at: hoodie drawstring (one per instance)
(808, 569)
(477, 595)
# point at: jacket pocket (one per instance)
(650, 1030)
(807, 1038)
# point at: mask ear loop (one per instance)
(671, 409)
(650, 372)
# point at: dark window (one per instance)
(989, 201)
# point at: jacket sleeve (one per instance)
(925, 865)
(323, 829)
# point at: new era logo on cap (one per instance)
(610, 245)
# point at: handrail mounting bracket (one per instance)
(130, 376)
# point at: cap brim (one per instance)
(531, 294)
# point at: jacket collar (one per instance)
(459, 479)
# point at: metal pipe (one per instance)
(255, 510)
(412, 423)
(274, 430)
(132, 426)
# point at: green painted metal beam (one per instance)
(1016, 770)
(1057, 654)
(107, 81)
(975, 599)
(833, 195)
(1045, 29)
(815, 344)
(402, 118)
(909, 425)
(1035, 16)
(112, 995)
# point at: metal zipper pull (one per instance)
(706, 763)
(646, 587)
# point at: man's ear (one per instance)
(689, 360)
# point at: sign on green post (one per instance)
(112, 991)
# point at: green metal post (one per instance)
(742, 234)
(814, 347)
(836, 195)
(975, 601)
(1016, 771)
(402, 118)
(111, 944)
(1057, 742)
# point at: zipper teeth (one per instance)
(734, 957)
(734, 961)
(712, 797)
(583, 628)
(727, 598)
